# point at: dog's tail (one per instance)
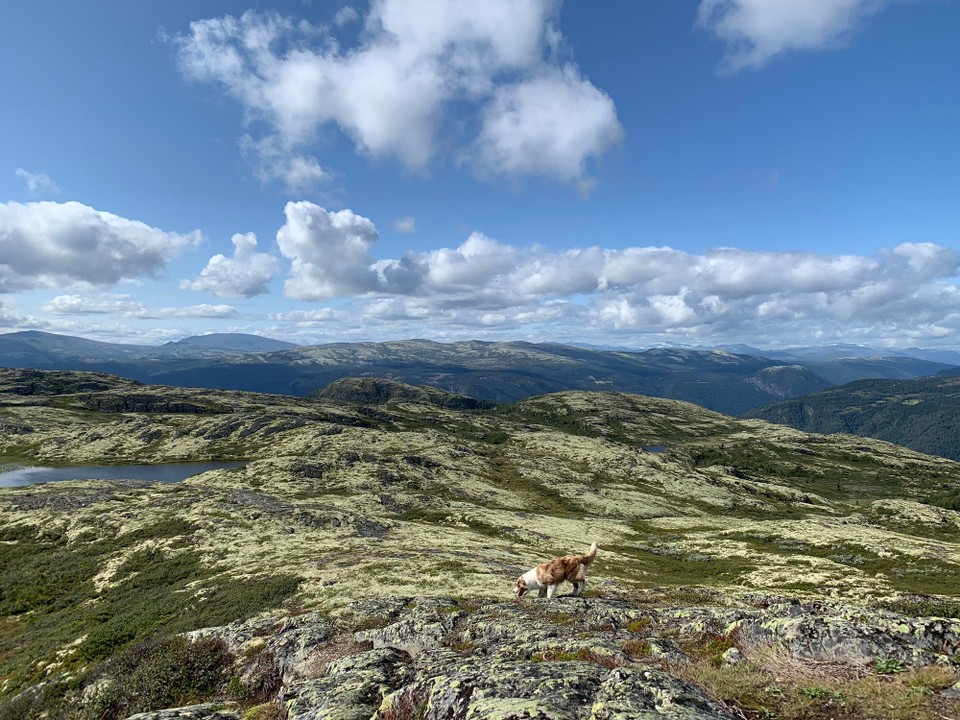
(589, 555)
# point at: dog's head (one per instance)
(520, 589)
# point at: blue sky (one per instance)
(617, 172)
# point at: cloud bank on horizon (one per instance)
(491, 91)
(484, 287)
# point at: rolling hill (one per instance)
(922, 414)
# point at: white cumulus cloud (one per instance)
(550, 125)
(246, 274)
(401, 91)
(49, 244)
(12, 318)
(756, 30)
(272, 161)
(345, 16)
(478, 262)
(329, 252)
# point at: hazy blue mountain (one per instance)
(822, 353)
(844, 370)
(951, 357)
(32, 348)
(228, 342)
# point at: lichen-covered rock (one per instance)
(424, 625)
(733, 656)
(569, 657)
(206, 711)
(351, 689)
(559, 660)
(555, 690)
(485, 689)
(823, 632)
(291, 642)
(652, 694)
(562, 659)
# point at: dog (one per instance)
(547, 577)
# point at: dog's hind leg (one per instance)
(578, 587)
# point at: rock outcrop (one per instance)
(566, 659)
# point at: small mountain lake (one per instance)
(167, 472)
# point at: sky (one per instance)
(609, 172)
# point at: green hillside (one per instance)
(922, 414)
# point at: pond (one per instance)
(167, 472)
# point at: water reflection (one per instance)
(168, 472)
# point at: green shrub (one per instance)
(44, 701)
(155, 592)
(924, 606)
(168, 672)
(947, 500)
(887, 666)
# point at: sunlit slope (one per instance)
(411, 489)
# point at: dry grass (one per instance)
(637, 649)
(336, 648)
(773, 685)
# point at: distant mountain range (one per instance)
(720, 380)
(35, 348)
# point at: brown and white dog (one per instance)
(547, 577)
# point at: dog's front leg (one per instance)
(543, 592)
(551, 589)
